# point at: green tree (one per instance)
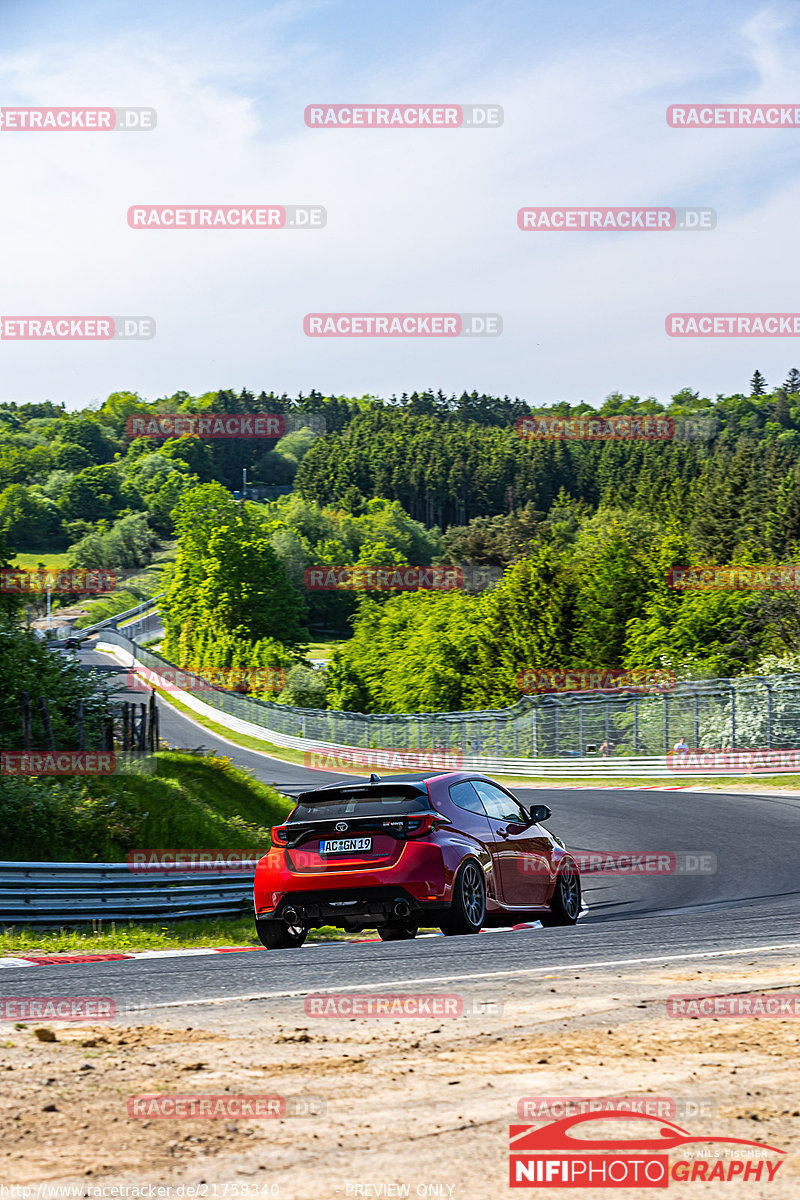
(227, 578)
(30, 519)
(91, 435)
(526, 621)
(96, 493)
(792, 384)
(118, 407)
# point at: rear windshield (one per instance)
(343, 805)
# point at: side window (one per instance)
(498, 805)
(464, 795)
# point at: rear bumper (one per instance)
(355, 906)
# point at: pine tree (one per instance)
(758, 384)
(792, 383)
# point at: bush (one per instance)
(304, 688)
(130, 542)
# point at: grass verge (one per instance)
(324, 649)
(126, 937)
(57, 561)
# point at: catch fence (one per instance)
(745, 712)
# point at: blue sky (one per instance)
(417, 220)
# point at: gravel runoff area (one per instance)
(381, 1106)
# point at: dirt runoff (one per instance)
(386, 1107)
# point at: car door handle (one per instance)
(502, 832)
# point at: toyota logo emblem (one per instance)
(341, 826)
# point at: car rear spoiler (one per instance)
(365, 790)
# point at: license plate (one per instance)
(345, 845)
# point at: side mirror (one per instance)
(540, 812)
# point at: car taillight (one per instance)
(280, 834)
(419, 826)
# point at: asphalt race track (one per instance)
(749, 900)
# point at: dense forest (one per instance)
(565, 541)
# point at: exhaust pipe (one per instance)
(401, 909)
(291, 916)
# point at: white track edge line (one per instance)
(618, 962)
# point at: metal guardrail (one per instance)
(41, 893)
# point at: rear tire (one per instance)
(468, 906)
(397, 933)
(276, 935)
(565, 906)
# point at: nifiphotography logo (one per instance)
(573, 1152)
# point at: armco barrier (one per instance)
(441, 733)
(42, 893)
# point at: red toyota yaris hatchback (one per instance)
(453, 849)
